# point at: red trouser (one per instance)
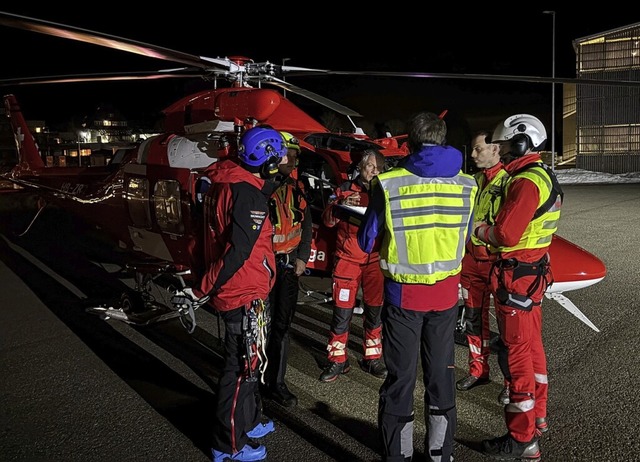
(476, 293)
(347, 278)
(520, 324)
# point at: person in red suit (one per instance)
(354, 269)
(477, 262)
(521, 235)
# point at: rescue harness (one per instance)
(255, 325)
(539, 268)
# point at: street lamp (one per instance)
(553, 88)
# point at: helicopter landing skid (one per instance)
(132, 310)
(153, 314)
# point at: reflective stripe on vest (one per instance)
(426, 221)
(539, 232)
(287, 218)
(489, 199)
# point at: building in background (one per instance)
(92, 142)
(601, 124)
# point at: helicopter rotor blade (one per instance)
(295, 71)
(101, 77)
(107, 40)
(494, 77)
(231, 68)
(313, 97)
(236, 69)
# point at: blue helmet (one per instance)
(259, 145)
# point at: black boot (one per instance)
(374, 367)
(506, 448)
(333, 370)
(280, 394)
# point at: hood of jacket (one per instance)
(229, 171)
(434, 161)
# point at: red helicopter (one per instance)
(148, 200)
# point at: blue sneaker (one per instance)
(262, 429)
(247, 453)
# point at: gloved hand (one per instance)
(185, 302)
(185, 299)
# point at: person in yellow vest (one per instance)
(419, 216)
(521, 234)
(477, 262)
(291, 218)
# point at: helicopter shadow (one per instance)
(56, 259)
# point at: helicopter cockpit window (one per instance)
(317, 175)
(339, 142)
(391, 161)
(137, 194)
(166, 199)
(118, 157)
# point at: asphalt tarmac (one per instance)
(76, 387)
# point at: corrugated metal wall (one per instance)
(608, 118)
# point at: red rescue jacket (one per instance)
(348, 223)
(239, 258)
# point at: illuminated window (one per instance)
(137, 196)
(613, 139)
(166, 197)
(606, 54)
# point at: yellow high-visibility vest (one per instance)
(427, 221)
(489, 199)
(540, 230)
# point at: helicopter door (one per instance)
(320, 182)
(137, 195)
(167, 206)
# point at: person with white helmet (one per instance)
(521, 235)
(240, 271)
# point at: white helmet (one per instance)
(523, 131)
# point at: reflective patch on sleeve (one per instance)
(258, 216)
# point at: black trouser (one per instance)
(238, 408)
(283, 300)
(407, 334)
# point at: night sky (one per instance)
(516, 41)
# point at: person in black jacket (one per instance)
(239, 274)
(291, 218)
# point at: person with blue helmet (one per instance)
(239, 273)
(261, 150)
